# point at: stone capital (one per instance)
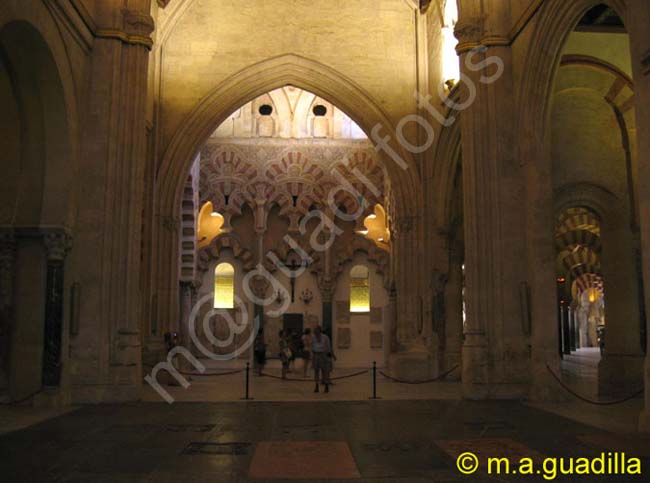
(139, 24)
(326, 287)
(259, 286)
(57, 244)
(470, 29)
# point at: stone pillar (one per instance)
(495, 351)
(186, 298)
(7, 255)
(412, 360)
(109, 226)
(454, 314)
(327, 322)
(620, 370)
(566, 328)
(57, 245)
(637, 22)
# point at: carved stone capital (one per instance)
(138, 23)
(326, 287)
(470, 29)
(57, 244)
(260, 286)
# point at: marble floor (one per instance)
(366, 441)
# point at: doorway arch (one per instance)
(241, 88)
(557, 19)
(37, 199)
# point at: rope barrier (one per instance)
(20, 401)
(402, 381)
(211, 374)
(347, 376)
(273, 376)
(204, 374)
(591, 401)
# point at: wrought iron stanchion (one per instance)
(374, 381)
(248, 378)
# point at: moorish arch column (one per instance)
(57, 245)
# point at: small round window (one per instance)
(320, 110)
(266, 110)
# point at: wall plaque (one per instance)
(376, 340)
(344, 336)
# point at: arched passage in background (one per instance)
(264, 185)
(593, 136)
(241, 89)
(562, 87)
(36, 209)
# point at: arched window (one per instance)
(359, 289)
(224, 286)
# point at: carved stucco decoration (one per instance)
(345, 253)
(225, 241)
(297, 179)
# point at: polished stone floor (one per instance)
(366, 441)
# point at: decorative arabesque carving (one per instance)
(226, 240)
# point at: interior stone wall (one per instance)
(225, 30)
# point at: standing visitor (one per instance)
(260, 351)
(285, 353)
(321, 348)
(293, 340)
(306, 351)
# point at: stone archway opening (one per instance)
(35, 214)
(594, 181)
(283, 188)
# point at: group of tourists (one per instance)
(315, 350)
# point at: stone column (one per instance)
(454, 313)
(57, 245)
(186, 298)
(412, 360)
(327, 293)
(637, 22)
(620, 370)
(7, 255)
(109, 224)
(495, 350)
